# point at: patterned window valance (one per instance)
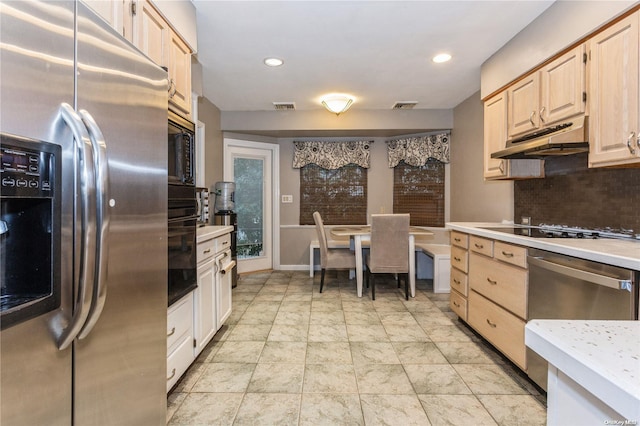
(416, 151)
(331, 155)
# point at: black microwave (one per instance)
(181, 145)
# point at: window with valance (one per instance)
(419, 177)
(333, 180)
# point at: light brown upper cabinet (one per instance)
(523, 105)
(551, 94)
(614, 103)
(152, 33)
(110, 11)
(495, 138)
(563, 87)
(179, 73)
(495, 135)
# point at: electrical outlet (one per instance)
(287, 199)
(524, 220)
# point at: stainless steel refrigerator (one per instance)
(96, 353)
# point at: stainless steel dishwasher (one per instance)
(564, 287)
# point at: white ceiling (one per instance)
(378, 51)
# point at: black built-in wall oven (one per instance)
(182, 208)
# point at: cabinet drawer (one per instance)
(460, 258)
(179, 361)
(459, 239)
(223, 242)
(458, 305)
(205, 250)
(179, 321)
(504, 284)
(503, 329)
(509, 253)
(459, 281)
(481, 245)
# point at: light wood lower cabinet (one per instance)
(458, 304)
(458, 275)
(459, 282)
(489, 283)
(503, 284)
(500, 327)
(460, 258)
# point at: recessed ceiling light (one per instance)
(273, 62)
(442, 57)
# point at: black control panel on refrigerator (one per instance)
(29, 228)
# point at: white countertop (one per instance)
(601, 356)
(625, 254)
(207, 232)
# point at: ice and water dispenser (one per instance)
(224, 214)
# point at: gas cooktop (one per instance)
(561, 231)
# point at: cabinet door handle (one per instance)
(629, 144)
(173, 373)
(457, 259)
(478, 246)
(457, 240)
(172, 332)
(456, 281)
(492, 282)
(493, 325)
(207, 251)
(507, 253)
(533, 113)
(542, 114)
(457, 305)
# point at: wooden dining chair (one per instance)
(389, 250)
(331, 258)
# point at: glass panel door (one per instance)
(248, 176)
(250, 165)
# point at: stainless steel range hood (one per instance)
(571, 137)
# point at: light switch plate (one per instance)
(287, 199)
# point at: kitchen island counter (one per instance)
(589, 359)
(622, 253)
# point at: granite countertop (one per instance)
(601, 356)
(625, 254)
(207, 232)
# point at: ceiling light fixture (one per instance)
(273, 62)
(337, 103)
(442, 57)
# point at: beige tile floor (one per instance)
(289, 355)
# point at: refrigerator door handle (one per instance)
(87, 194)
(102, 221)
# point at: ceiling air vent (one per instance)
(405, 105)
(284, 106)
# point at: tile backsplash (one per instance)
(572, 194)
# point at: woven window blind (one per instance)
(419, 191)
(339, 195)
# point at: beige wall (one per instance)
(472, 198)
(561, 25)
(209, 114)
(379, 179)
(355, 122)
(294, 238)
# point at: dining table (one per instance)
(360, 233)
